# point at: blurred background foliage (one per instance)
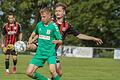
(99, 18)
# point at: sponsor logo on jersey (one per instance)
(44, 37)
(11, 32)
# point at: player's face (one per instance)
(11, 18)
(45, 17)
(59, 12)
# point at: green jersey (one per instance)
(46, 35)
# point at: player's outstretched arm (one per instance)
(34, 39)
(86, 37)
(31, 37)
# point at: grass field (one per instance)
(73, 68)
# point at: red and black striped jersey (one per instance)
(66, 28)
(11, 31)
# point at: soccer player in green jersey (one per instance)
(65, 29)
(49, 36)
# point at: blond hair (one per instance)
(45, 10)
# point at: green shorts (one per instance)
(40, 60)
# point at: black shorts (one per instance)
(10, 52)
(57, 59)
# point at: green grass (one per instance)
(73, 68)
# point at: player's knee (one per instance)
(7, 59)
(29, 73)
(59, 71)
(14, 57)
(7, 56)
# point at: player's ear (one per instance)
(14, 18)
(8, 17)
(49, 15)
(64, 12)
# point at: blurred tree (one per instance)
(99, 18)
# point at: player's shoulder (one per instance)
(39, 23)
(54, 24)
(4, 25)
(17, 23)
(68, 22)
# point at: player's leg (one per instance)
(7, 57)
(58, 67)
(14, 63)
(52, 66)
(33, 66)
(14, 56)
(31, 69)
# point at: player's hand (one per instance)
(2, 45)
(57, 42)
(98, 41)
(29, 42)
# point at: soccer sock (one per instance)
(57, 77)
(38, 76)
(7, 63)
(14, 62)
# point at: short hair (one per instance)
(10, 13)
(46, 10)
(62, 5)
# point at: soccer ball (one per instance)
(20, 46)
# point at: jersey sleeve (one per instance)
(57, 33)
(72, 30)
(4, 30)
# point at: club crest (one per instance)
(48, 32)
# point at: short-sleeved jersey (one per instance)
(46, 35)
(11, 31)
(4, 31)
(66, 28)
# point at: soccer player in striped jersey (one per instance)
(10, 32)
(66, 28)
